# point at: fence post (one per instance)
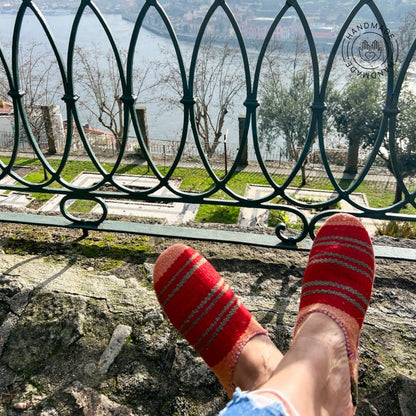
(244, 154)
(225, 152)
(49, 128)
(142, 118)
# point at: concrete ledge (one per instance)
(189, 233)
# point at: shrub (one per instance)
(398, 229)
(277, 217)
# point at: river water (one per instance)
(151, 54)
(92, 36)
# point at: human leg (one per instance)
(318, 374)
(213, 320)
(305, 373)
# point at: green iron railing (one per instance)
(99, 193)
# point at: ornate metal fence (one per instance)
(276, 195)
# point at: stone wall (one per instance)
(81, 337)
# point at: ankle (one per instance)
(321, 342)
(256, 363)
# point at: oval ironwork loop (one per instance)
(77, 220)
(192, 75)
(186, 101)
(73, 113)
(17, 94)
(316, 106)
(324, 86)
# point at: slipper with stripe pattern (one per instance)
(338, 282)
(204, 309)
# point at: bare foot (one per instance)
(338, 385)
(314, 374)
(335, 396)
(256, 364)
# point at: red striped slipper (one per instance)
(203, 308)
(338, 281)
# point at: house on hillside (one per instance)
(101, 141)
(6, 124)
(45, 122)
(5, 108)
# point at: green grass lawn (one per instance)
(198, 180)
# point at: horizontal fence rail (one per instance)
(275, 192)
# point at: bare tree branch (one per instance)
(217, 82)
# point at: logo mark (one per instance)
(368, 49)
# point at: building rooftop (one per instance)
(5, 107)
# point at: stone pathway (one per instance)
(174, 213)
(254, 217)
(13, 199)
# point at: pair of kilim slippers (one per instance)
(338, 282)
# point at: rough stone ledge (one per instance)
(79, 341)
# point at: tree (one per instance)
(406, 33)
(405, 140)
(42, 91)
(101, 92)
(285, 112)
(4, 84)
(358, 115)
(217, 82)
